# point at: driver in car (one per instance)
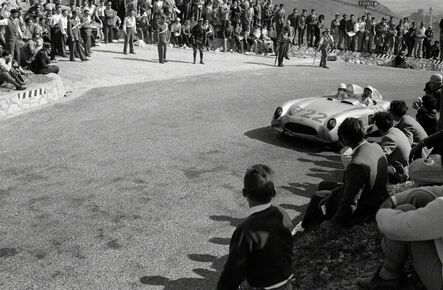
(341, 91)
(366, 97)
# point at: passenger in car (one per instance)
(366, 97)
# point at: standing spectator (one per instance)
(390, 36)
(109, 22)
(400, 31)
(350, 34)
(408, 125)
(75, 47)
(293, 18)
(395, 146)
(41, 62)
(358, 30)
(418, 41)
(370, 27)
(186, 32)
(54, 21)
(335, 29)
(129, 28)
(238, 38)
(13, 34)
(85, 31)
(258, 14)
(410, 38)
(427, 41)
(312, 22)
(199, 36)
(380, 33)
(282, 39)
(63, 33)
(320, 25)
(441, 39)
(162, 32)
(197, 8)
(301, 25)
(227, 35)
(324, 44)
(291, 37)
(267, 14)
(280, 18)
(260, 252)
(236, 14)
(342, 44)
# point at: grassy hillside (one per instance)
(330, 7)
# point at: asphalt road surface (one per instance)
(139, 186)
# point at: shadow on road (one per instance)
(207, 281)
(270, 136)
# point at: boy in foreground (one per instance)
(260, 252)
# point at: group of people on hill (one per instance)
(260, 254)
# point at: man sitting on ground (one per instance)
(41, 62)
(9, 74)
(260, 253)
(407, 124)
(364, 187)
(395, 146)
(411, 223)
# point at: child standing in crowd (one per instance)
(260, 253)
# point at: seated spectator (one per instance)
(260, 252)
(435, 50)
(364, 187)
(268, 44)
(143, 28)
(40, 64)
(407, 124)
(186, 32)
(395, 146)
(9, 74)
(427, 169)
(29, 29)
(30, 49)
(176, 33)
(239, 39)
(209, 35)
(366, 97)
(411, 224)
(427, 114)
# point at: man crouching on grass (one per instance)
(260, 253)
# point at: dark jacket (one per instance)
(41, 61)
(365, 181)
(412, 129)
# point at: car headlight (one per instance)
(331, 124)
(278, 112)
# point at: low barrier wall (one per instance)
(43, 90)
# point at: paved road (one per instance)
(139, 186)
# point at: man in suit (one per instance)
(40, 64)
(311, 22)
(395, 146)
(408, 125)
(280, 18)
(364, 187)
(199, 35)
(75, 46)
(301, 26)
(293, 17)
(13, 34)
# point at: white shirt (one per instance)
(55, 19)
(129, 22)
(259, 208)
(63, 24)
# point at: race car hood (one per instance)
(329, 106)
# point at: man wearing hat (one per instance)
(41, 62)
(198, 33)
(13, 34)
(324, 44)
(85, 31)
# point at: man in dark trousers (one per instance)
(162, 36)
(75, 46)
(282, 40)
(293, 17)
(260, 252)
(364, 188)
(13, 34)
(108, 22)
(323, 46)
(198, 33)
(129, 28)
(40, 64)
(280, 18)
(311, 21)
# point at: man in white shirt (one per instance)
(13, 34)
(129, 27)
(62, 35)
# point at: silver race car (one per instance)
(318, 118)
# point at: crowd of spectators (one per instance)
(260, 254)
(229, 25)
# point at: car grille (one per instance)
(300, 129)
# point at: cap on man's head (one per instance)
(436, 78)
(46, 44)
(342, 86)
(177, 19)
